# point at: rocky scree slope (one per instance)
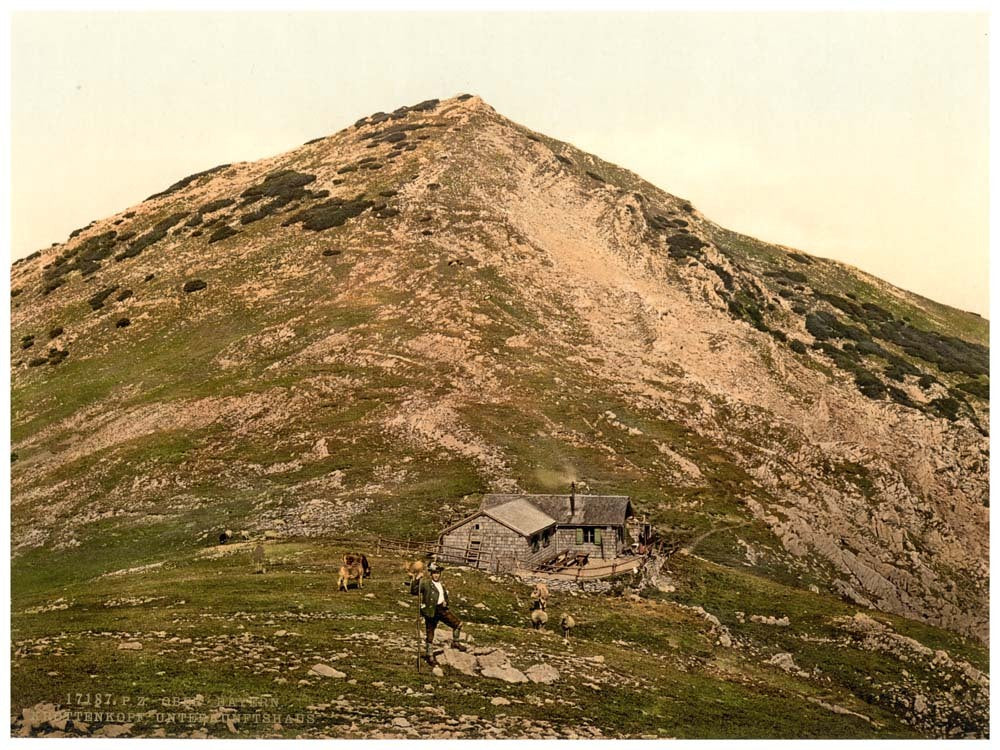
(363, 334)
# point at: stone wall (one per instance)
(498, 542)
(606, 550)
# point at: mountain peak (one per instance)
(459, 291)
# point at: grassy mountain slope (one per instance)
(364, 334)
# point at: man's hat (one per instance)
(434, 568)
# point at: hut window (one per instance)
(476, 527)
(588, 536)
(546, 538)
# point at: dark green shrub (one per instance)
(15, 293)
(348, 168)
(157, 233)
(27, 341)
(389, 193)
(869, 384)
(149, 277)
(52, 284)
(97, 301)
(784, 273)
(194, 285)
(779, 335)
(797, 346)
(124, 295)
(564, 160)
(433, 186)
(332, 213)
(194, 221)
(287, 184)
(37, 361)
(901, 397)
(427, 233)
(76, 232)
(684, 246)
(463, 97)
(946, 407)
(949, 353)
(595, 176)
(926, 381)
(123, 323)
(215, 205)
(534, 138)
(799, 258)
(425, 106)
(222, 233)
(329, 253)
(976, 388)
(183, 183)
(822, 325)
(315, 140)
(56, 332)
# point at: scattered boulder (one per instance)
(130, 646)
(544, 673)
(324, 670)
(123, 323)
(194, 285)
(460, 661)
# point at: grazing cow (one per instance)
(356, 558)
(348, 573)
(567, 623)
(540, 596)
(225, 536)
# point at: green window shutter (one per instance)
(579, 536)
(597, 536)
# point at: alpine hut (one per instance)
(527, 530)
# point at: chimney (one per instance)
(572, 499)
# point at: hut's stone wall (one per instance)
(606, 550)
(501, 548)
(497, 541)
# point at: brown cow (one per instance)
(348, 573)
(356, 558)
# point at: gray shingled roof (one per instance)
(591, 510)
(520, 515)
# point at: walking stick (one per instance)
(419, 638)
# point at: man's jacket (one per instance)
(429, 597)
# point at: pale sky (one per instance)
(860, 137)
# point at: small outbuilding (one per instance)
(516, 530)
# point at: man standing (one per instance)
(434, 609)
